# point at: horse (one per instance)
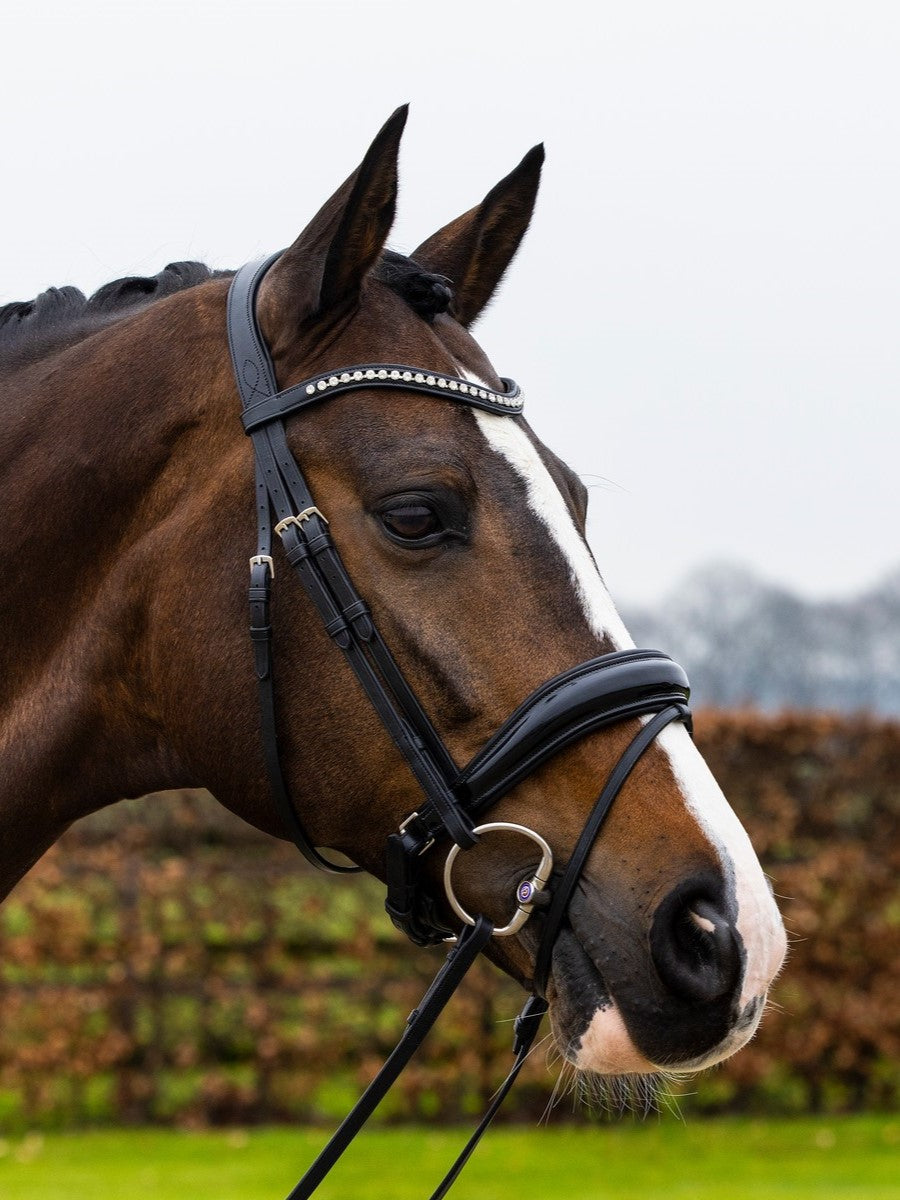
(128, 487)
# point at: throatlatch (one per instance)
(595, 694)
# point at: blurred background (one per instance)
(704, 317)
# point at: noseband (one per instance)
(601, 692)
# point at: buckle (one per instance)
(259, 560)
(409, 820)
(299, 519)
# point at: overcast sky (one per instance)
(705, 313)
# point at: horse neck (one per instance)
(93, 461)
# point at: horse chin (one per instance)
(587, 1024)
(740, 1034)
(606, 1047)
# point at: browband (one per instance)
(395, 376)
(262, 403)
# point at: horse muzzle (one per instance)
(631, 997)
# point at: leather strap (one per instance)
(397, 377)
(563, 888)
(527, 1023)
(261, 635)
(345, 616)
(598, 693)
(471, 942)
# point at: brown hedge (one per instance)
(166, 963)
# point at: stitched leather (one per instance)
(597, 694)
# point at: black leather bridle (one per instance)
(593, 695)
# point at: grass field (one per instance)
(837, 1159)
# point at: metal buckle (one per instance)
(258, 559)
(412, 816)
(299, 519)
(524, 892)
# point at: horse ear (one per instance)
(474, 251)
(325, 267)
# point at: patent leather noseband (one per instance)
(594, 695)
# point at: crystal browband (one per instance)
(509, 402)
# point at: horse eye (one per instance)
(412, 522)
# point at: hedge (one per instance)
(166, 963)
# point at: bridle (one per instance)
(598, 693)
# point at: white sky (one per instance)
(705, 314)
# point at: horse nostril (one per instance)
(695, 948)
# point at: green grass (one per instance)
(837, 1159)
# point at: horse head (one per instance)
(466, 537)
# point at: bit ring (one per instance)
(525, 890)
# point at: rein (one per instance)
(598, 693)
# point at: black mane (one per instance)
(29, 329)
(426, 293)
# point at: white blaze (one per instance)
(546, 502)
(758, 921)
